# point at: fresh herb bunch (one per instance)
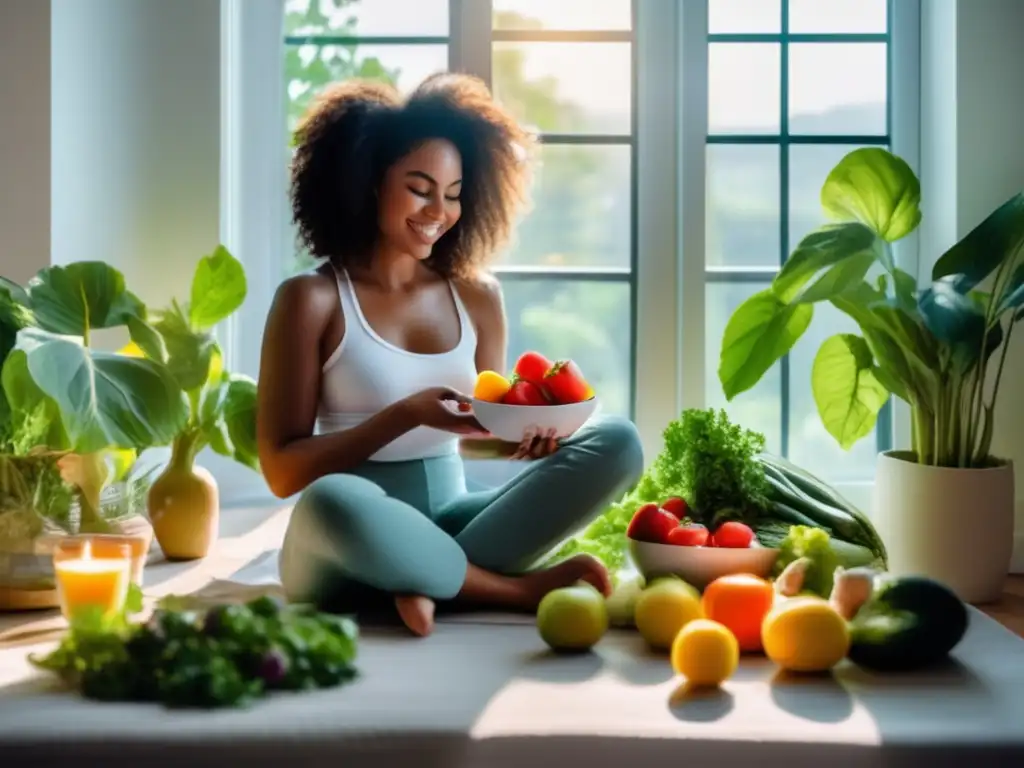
(712, 462)
(227, 655)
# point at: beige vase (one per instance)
(952, 525)
(184, 507)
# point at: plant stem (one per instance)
(923, 437)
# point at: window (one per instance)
(683, 145)
(793, 85)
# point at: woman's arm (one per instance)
(291, 456)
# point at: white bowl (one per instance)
(699, 566)
(512, 422)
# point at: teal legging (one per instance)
(411, 527)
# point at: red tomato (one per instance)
(692, 535)
(532, 366)
(566, 384)
(651, 524)
(676, 506)
(525, 393)
(734, 535)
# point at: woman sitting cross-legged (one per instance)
(366, 359)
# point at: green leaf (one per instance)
(105, 400)
(80, 296)
(846, 388)
(984, 248)
(760, 331)
(1013, 295)
(833, 244)
(218, 289)
(240, 417)
(26, 401)
(189, 352)
(148, 339)
(953, 317)
(877, 188)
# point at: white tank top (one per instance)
(366, 373)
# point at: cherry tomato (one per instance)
(734, 535)
(692, 535)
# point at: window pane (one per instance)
(742, 205)
(389, 18)
(586, 321)
(744, 85)
(737, 16)
(310, 67)
(810, 446)
(840, 16)
(837, 88)
(562, 14)
(759, 408)
(566, 87)
(809, 165)
(581, 210)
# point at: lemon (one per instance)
(705, 652)
(663, 608)
(491, 386)
(805, 634)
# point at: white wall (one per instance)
(136, 138)
(24, 137)
(972, 110)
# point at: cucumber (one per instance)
(909, 623)
(822, 492)
(786, 513)
(837, 520)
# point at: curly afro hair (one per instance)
(355, 130)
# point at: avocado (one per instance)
(908, 623)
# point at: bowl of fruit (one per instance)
(540, 396)
(662, 540)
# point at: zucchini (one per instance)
(786, 513)
(909, 622)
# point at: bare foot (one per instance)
(577, 568)
(417, 613)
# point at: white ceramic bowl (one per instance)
(699, 566)
(511, 422)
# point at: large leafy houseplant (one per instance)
(73, 417)
(221, 406)
(940, 347)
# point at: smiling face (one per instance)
(419, 198)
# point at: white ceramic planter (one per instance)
(953, 525)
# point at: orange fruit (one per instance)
(490, 386)
(740, 602)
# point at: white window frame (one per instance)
(669, 133)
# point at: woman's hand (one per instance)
(536, 445)
(442, 408)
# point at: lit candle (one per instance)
(85, 582)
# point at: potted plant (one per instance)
(72, 419)
(940, 347)
(184, 503)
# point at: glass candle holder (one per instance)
(92, 574)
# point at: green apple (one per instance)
(572, 618)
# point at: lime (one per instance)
(572, 618)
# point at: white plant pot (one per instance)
(952, 525)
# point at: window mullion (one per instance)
(470, 46)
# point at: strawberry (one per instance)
(566, 384)
(651, 524)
